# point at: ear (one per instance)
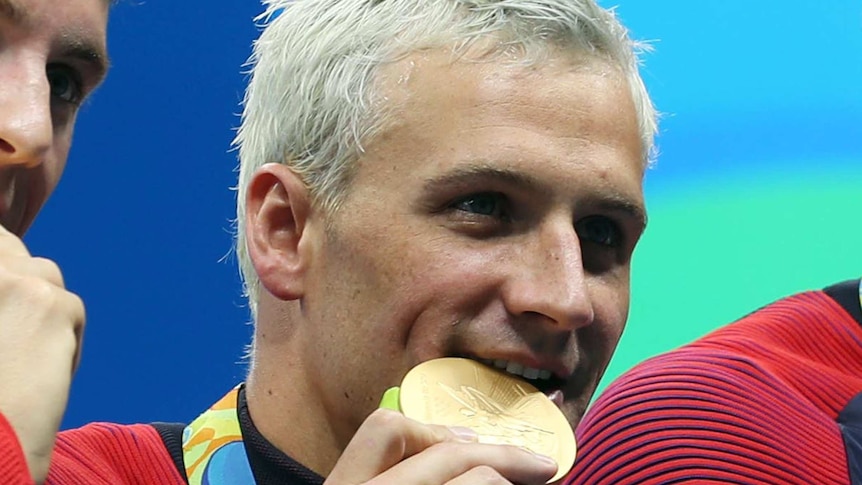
(277, 210)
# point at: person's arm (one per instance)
(41, 324)
(112, 454)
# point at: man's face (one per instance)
(494, 218)
(52, 54)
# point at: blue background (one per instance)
(757, 192)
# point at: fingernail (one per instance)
(464, 434)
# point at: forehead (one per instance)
(562, 135)
(562, 109)
(560, 85)
(83, 16)
(68, 29)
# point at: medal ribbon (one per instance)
(213, 450)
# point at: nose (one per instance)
(549, 280)
(26, 126)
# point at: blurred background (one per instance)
(757, 192)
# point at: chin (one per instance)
(573, 412)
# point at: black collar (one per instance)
(269, 465)
(847, 295)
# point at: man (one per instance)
(481, 197)
(776, 397)
(52, 55)
(419, 179)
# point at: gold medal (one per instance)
(499, 407)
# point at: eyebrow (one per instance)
(466, 177)
(13, 12)
(81, 49)
(74, 45)
(620, 204)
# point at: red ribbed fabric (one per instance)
(752, 403)
(112, 454)
(13, 465)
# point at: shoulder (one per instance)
(109, 453)
(698, 413)
(832, 312)
(849, 295)
(13, 464)
(738, 404)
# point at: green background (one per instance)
(721, 248)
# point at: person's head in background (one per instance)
(423, 179)
(52, 55)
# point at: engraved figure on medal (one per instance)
(501, 416)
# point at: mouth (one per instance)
(548, 382)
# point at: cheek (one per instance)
(452, 272)
(600, 340)
(53, 175)
(425, 295)
(414, 280)
(412, 266)
(611, 298)
(56, 163)
(451, 292)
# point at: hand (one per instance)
(41, 325)
(391, 448)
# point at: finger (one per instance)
(48, 270)
(448, 461)
(30, 267)
(384, 439)
(11, 243)
(483, 475)
(62, 330)
(73, 309)
(67, 317)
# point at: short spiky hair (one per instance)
(312, 78)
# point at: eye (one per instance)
(65, 84)
(600, 230)
(490, 204)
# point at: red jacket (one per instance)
(775, 398)
(96, 454)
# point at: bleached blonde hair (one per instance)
(309, 103)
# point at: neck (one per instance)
(284, 403)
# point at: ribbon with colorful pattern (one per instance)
(213, 450)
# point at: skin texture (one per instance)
(52, 54)
(493, 217)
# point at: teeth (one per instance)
(517, 369)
